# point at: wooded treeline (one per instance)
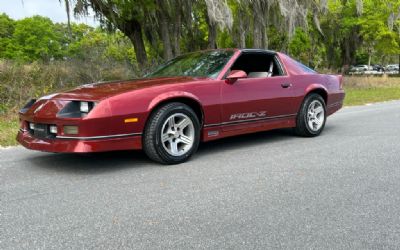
(324, 34)
(38, 56)
(37, 38)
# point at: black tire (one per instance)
(302, 127)
(152, 144)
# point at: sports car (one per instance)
(196, 97)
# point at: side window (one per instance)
(258, 65)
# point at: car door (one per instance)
(254, 100)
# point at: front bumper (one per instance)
(76, 145)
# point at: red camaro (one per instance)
(200, 96)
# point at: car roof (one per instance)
(243, 50)
(258, 51)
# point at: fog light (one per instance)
(53, 129)
(71, 130)
(31, 126)
(84, 107)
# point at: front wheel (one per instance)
(172, 134)
(312, 116)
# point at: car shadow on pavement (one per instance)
(97, 163)
(254, 139)
(91, 163)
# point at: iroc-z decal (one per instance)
(242, 116)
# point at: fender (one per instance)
(171, 95)
(316, 86)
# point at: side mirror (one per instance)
(235, 75)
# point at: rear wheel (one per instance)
(312, 116)
(172, 134)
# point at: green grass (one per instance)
(354, 96)
(9, 126)
(360, 96)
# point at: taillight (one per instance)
(340, 78)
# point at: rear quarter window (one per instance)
(305, 68)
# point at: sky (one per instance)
(18, 9)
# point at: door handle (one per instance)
(286, 85)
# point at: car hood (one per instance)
(99, 91)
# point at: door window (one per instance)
(258, 65)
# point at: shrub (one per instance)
(20, 82)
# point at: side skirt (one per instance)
(215, 132)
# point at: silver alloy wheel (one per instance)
(315, 115)
(177, 134)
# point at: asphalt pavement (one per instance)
(269, 190)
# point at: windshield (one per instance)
(197, 64)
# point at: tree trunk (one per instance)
(264, 25)
(264, 37)
(241, 43)
(349, 46)
(136, 37)
(212, 34)
(369, 59)
(192, 29)
(260, 38)
(131, 28)
(259, 32)
(346, 52)
(153, 39)
(164, 30)
(177, 34)
(257, 37)
(191, 45)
